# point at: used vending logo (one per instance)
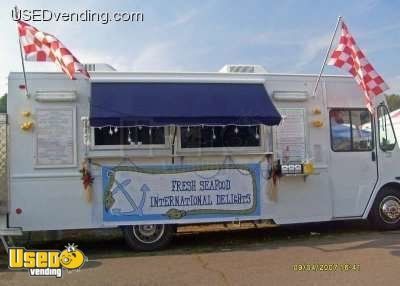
(46, 262)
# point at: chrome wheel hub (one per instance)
(149, 233)
(389, 209)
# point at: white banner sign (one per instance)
(173, 192)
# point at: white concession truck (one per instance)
(150, 151)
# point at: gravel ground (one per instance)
(212, 255)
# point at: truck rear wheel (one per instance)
(385, 213)
(148, 237)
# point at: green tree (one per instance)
(393, 101)
(3, 104)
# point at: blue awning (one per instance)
(158, 104)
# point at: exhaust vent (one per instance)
(99, 67)
(242, 69)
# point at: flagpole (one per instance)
(22, 58)
(327, 55)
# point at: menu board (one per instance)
(55, 137)
(290, 135)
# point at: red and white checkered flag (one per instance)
(39, 46)
(349, 57)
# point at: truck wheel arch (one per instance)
(394, 185)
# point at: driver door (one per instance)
(352, 166)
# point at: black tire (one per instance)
(385, 212)
(148, 237)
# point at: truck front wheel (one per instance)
(148, 237)
(385, 212)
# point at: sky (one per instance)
(284, 36)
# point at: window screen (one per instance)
(220, 136)
(129, 136)
(351, 130)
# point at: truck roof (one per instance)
(172, 76)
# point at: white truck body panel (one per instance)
(342, 187)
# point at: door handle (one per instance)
(373, 156)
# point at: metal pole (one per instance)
(327, 55)
(22, 58)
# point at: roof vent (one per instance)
(99, 67)
(242, 69)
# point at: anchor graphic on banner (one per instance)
(136, 209)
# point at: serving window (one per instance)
(220, 136)
(351, 130)
(129, 136)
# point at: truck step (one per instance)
(10, 232)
